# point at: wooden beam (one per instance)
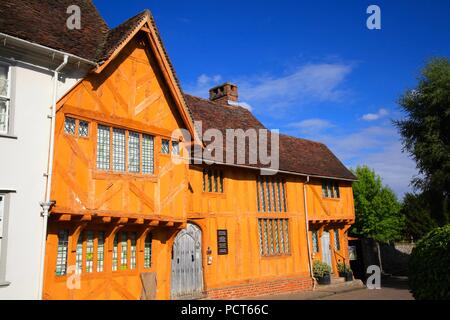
(86, 217)
(65, 217)
(122, 221)
(140, 221)
(106, 219)
(154, 223)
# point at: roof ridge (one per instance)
(219, 104)
(299, 138)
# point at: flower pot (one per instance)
(342, 274)
(325, 279)
(349, 276)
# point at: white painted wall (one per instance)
(23, 162)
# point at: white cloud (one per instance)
(311, 126)
(378, 147)
(312, 82)
(375, 116)
(202, 85)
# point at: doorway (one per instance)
(187, 269)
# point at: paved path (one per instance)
(394, 288)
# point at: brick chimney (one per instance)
(224, 93)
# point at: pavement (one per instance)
(392, 288)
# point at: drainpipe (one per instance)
(47, 204)
(307, 229)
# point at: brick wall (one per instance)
(279, 286)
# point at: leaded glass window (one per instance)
(176, 148)
(89, 251)
(165, 146)
(69, 125)
(274, 196)
(270, 234)
(209, 181)
(266, 239)
(275, 233)
(100, 251)
(336, 190)
(261, 249)
(103, 147)
(148, 251)
(262, 195)
(286, 234)
(212, 181)
(115, 252)
(258, 196)
(216, 182)
(61, 256)
(269, 206)
(315, 241)
(147, 154)
(283, 190)
(273, 236)
(280, 228)
(330, 189)
(118, 149)
(271, 196)
(4, 99)
(79, 255)
(83, 128)
(280, 208)
(133, 152)
(133, 250)
(123, 251)
(337, 242)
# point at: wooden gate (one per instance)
(187, 270)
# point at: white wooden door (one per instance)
(187, 270)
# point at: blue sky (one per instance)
(309, 68)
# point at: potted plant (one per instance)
(345, 271)
(322, 272)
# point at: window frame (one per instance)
(331, 189)
(270, 244)
(76, 133)
(213, 179)
(8, 99)
(141, 135)
(271, 195)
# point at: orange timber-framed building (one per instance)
(123, 210)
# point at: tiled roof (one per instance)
(296, 155)
(44, 22)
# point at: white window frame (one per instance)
(8, 99)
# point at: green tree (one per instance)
(416, 210)
(426, 135)
(377, 208)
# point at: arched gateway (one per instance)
(187, 270)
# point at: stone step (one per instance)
(335, 280)
(341, 286)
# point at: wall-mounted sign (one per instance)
(222, 242)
